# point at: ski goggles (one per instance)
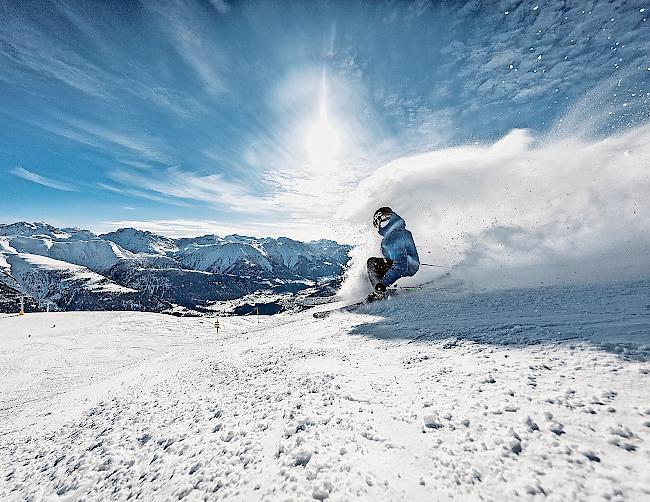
(380, 219)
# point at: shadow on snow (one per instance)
(613, 317)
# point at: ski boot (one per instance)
(374, 296)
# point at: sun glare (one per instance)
(323, 141)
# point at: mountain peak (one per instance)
(141, 241)
(28, 229)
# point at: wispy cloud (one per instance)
(184, 185)
(27, 48)
(23, 173)
(132, 192)
(145, 147)
(540, 58)
(98, 74)
(194, 40)
(221, 5)
(109, 139)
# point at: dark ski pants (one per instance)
(377, 268)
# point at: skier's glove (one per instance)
(380, 288)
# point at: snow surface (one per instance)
(432, 395)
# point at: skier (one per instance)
(400, 255)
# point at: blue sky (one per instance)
(188, 117)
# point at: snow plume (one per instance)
(520, 212)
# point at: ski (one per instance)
(389, 292)
(345, 308)
(316, 301)
(353, 306)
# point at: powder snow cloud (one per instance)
(524, 210)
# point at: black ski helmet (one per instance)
(380, 215)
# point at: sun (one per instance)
(322, 141)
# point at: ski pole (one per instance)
(430, 265)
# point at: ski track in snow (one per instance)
(538, 394)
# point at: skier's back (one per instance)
(398, 247)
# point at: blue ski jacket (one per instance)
(398, 245)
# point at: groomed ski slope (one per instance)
(433, 395)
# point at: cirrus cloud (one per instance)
(23, 173)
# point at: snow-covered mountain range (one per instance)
(73, 268)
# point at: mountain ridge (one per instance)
(158, 272)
